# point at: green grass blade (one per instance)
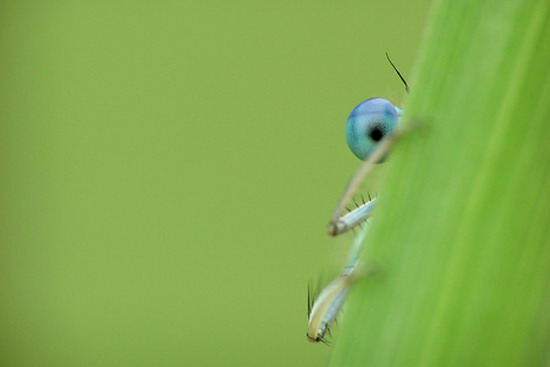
(462, 231)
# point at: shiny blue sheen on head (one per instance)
(370, 122)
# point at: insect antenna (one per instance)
(398, 73)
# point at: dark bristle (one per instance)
(308, 299)
(398, 73)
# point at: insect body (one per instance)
(371, 131)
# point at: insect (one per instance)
(371, 131)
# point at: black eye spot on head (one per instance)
(376, 133)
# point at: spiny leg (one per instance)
(328, 304)
(334, 226)
(353, 218)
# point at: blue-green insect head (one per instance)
(370, 122)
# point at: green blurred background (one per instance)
(167, 170)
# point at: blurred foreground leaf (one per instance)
(462, 230)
